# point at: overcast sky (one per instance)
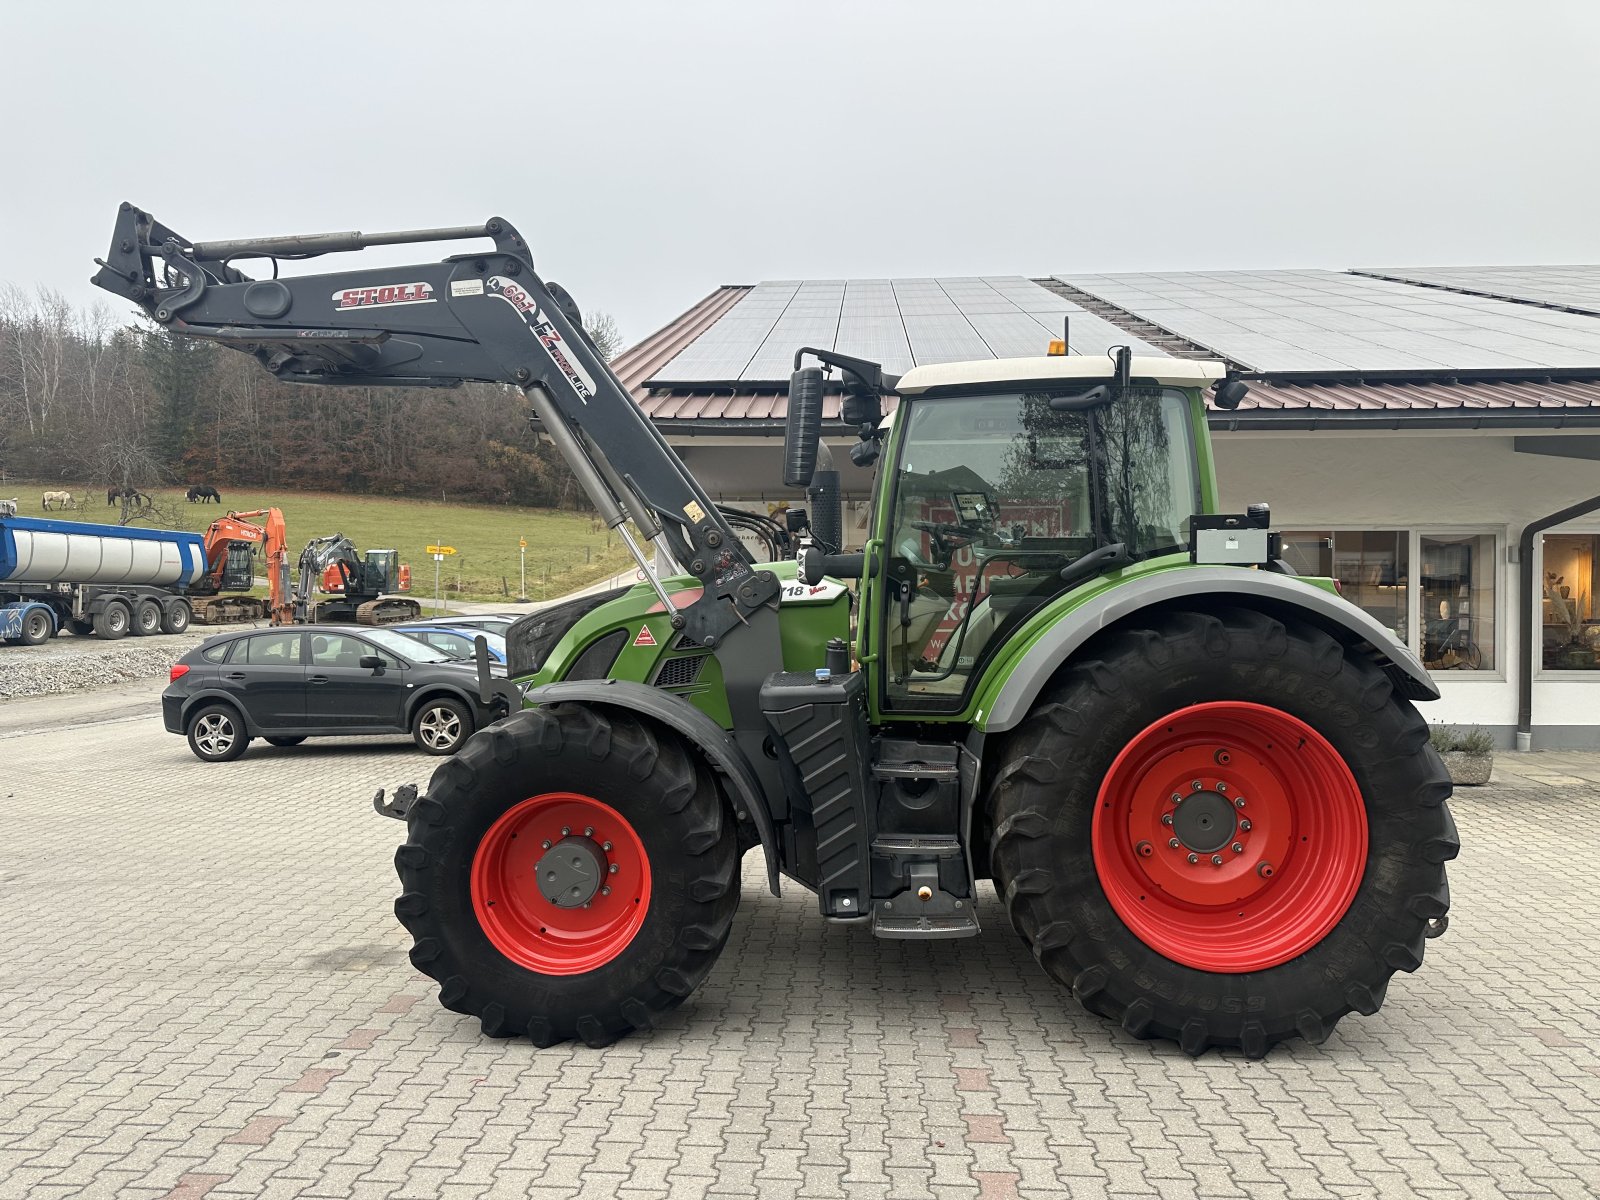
(652, 151)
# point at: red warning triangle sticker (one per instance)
(645, 638)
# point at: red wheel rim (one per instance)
(591, 859)
(1271, 836)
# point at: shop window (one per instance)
(1457, 580)
(1373, 568)
(1571, 609)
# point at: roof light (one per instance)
(1058, 347)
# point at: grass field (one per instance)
(566, 551)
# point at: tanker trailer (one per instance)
(104, 579)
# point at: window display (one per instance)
(1571, 617)
(1373, 568)
(1457, 601)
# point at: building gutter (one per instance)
(1377, 419)
(1531, 645)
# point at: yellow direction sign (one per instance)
(441, 549)
(523, 542)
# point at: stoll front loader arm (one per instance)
(485, 316)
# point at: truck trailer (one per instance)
(102, 579)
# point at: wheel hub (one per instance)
(571, 873)
(1204, 822)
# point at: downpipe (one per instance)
(1531, 644)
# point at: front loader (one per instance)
(1197, 781)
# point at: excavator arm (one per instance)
(484, 315)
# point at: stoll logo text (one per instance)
(389, 293)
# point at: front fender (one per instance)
(1251, 589)
(683, 718)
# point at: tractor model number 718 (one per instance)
(1198, 781)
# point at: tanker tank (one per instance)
(35, 551)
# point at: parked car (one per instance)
(285, 685)
(456, 641)
(488, 622)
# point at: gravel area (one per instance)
(69, 663)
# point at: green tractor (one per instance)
(1197, 780)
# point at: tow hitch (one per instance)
(404, 797)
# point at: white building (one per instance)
(1408, 427)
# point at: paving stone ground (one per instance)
(203, 993)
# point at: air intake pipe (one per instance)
(825, 501)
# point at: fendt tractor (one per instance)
(1198, 781)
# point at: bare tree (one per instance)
(602, 329)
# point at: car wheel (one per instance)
(146, 618)
(112, 621)
(176, 617)
(441, 725)
(216, 733)
(286, 741)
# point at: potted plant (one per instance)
(1468, 754)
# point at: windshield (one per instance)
(994, 495)
(406, 647)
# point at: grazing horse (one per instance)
(8, 508)
(203, 493)
(59, 499)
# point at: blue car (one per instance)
(454, 641)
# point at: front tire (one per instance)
(216, 733)
(1322, 902)
(441, 725)
(524, 954)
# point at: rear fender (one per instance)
(1277, 595)
(713, 742)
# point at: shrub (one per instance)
(1475, 740)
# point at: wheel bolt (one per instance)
(1238, 847)
(1222, 787)
(1176, 798)
(1244, 826)
(1216, 860)
(1167, 820)
(1196, 785)
(1145, 849)
(1264, 870)
(1173, 843)
(606, 846)
(605, 891)
(589, 832)
(613, 868)
(1194, 858)
(1238, 802)
(546, 843)
(566, 831)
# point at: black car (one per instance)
(286, 685)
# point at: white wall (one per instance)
(1473, 480)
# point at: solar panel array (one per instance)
(1564, 286)
(1337, 321)
(900, 323)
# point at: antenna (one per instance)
(1066, 331)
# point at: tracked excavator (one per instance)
(221, 595)
(362, 587)
(1199, 782)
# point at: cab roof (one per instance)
(1169, 372)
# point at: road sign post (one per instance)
(522, 554)
(439, 553)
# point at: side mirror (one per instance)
(804, 427)
(372, 662)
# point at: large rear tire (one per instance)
(112, 621)
(599, 802)
(1248, 931)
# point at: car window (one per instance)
(218, 652)
(343, 650)
(456, 645)
(269, 650)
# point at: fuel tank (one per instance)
(42, 551)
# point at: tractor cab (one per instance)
(1005, 491)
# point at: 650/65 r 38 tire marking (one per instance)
(561, 883)
(1230, 836)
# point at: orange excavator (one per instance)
(231, 543)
